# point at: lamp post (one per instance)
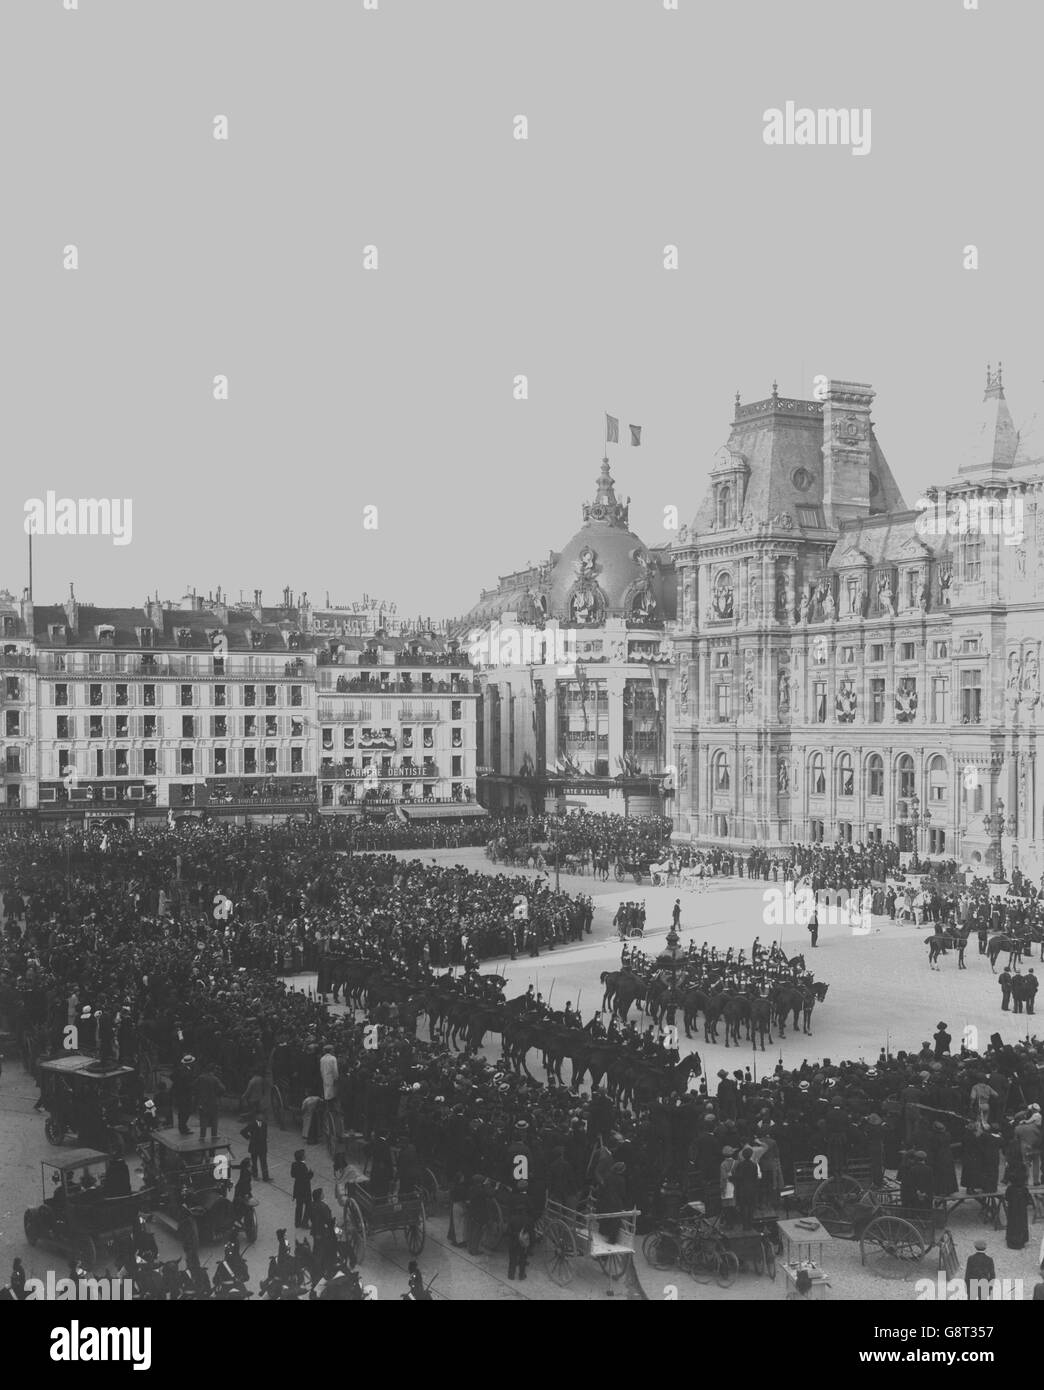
(997, 825)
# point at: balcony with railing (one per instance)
(396, 685)
(161, 666)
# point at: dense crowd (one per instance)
(130, 934)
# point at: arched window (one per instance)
(724, 496)
(875, 775)
(722, 776)
(938, 780)
(817, 775)
(905, 768)
(845, 775)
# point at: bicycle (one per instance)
(695, 1245)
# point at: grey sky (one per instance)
(545, 257)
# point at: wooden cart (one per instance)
(571, 1234)
(368, 1216)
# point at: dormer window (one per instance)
(257, 639)
(724, 508)
(144, 636)
(56, 632)
(106, 634)
(184, 636)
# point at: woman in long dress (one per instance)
(1017, 1201)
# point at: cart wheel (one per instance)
(31, 1226)
(87, 1251)
(559, 1249)
(54, 1129)
(621, 873)
(770, 1258)
(661, 1249)
(728, 1268)
(837, 1192)
(114, 1140)
(415, 1236)
(250, 1225)
(429, 1186)
(891, 1243)
(493, 1232)
(831, 1218)
(358, 1226)
(758, 1258)
(275, 1099)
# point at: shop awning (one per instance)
(455, 809)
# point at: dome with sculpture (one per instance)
(606, 571)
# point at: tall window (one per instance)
(940, 691)
(845, 775)
(938, 780)
(723, 703)
(875, 775)
(819, 702)
(971, 559)
(722, 775)
(906, 776)
(817, 775)
(723, 504)
(877, 701)
(971, 696)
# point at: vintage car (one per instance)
(88, 1204)
(192, 1178)
(90, 1102)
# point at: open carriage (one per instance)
(367, 1215)
(889, 1235)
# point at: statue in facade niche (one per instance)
(1031, 680)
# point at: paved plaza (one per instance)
(881, 990)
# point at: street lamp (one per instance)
(997, 825)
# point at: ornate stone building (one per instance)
(577, 671)
(849, 666)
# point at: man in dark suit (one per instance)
(980, 1267)
(256, 1135)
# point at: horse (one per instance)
(735, 1010)
(943, 941)
(817, 992)
(1015, 945)
(760, 1022)
(710, 1005)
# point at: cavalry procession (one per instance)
(188, 1005)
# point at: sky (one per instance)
(393, 388)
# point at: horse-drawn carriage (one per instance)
(367, 1215)
(631, 868)
(890, 1236)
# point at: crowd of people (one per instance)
(175, 941)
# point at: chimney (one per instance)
(72, 612)
(847, 451)
(257, 609)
